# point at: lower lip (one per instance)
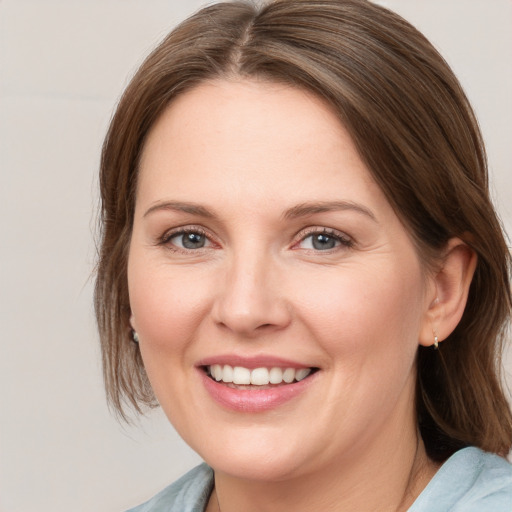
(254, 400)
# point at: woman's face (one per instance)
(261, 243)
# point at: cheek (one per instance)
(168, 305)
(367, 323)
(364, 309)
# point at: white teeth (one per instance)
(227, 374)
(276, 376)
(289, 375)
(258, 376)
(241, 375)
(217, 372)
(302, 373)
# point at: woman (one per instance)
(301, 264)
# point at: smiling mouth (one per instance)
(238, 377)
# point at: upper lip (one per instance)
(251, 362)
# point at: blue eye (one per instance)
(324, 241)
(189, 240)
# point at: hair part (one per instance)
(413, 127)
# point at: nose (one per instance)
(250, 300)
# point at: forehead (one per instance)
(248, 138)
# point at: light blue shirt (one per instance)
(469, 481)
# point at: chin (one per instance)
(256, 466)
(255, 453)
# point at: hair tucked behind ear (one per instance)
(413, 127)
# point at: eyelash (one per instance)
(169, 235)
(344, 240)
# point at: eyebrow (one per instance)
(177, 206)
(305, 209)
(300, 210)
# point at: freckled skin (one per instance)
(247, 152)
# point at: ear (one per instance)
(451, 283)
(132, 322)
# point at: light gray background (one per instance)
(63, 65)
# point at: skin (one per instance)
(249, 152)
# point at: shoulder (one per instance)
(188, 494)
(471, 481)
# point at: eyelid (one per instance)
(344, 239)
(183, 230)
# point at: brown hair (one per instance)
(417, 133)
